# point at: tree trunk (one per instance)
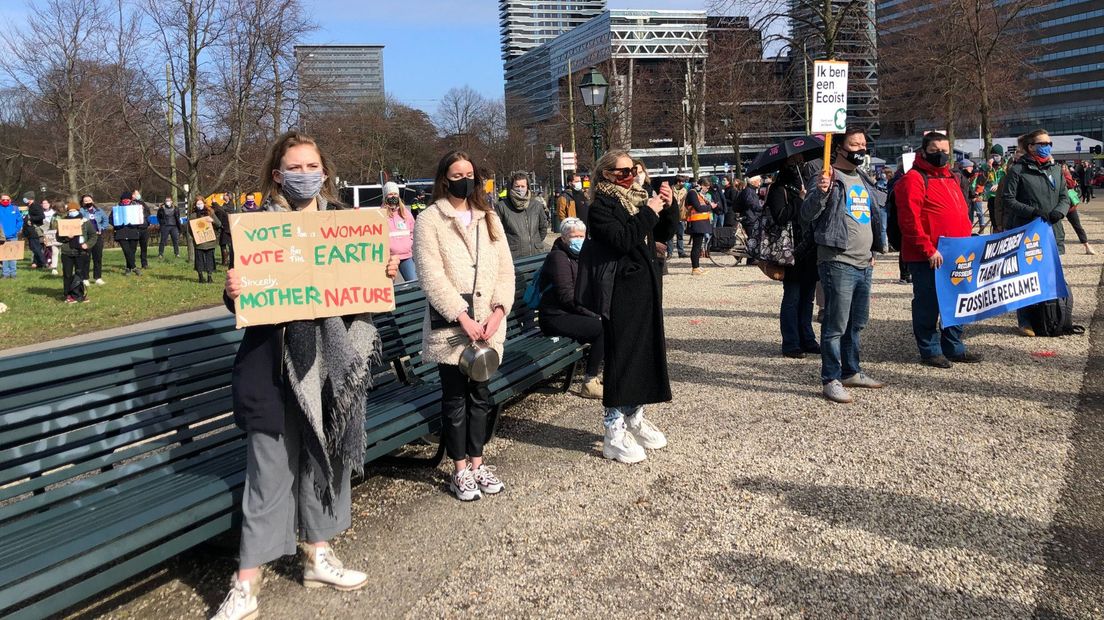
(71, 153)
(738, 164)
(277, 100)
(949, 112)
(985, 109)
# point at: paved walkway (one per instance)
(971, 492)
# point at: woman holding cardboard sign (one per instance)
(205, 229)
(467, 273)
(293, 384)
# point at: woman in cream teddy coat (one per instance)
(455, 234)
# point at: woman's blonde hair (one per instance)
(271, 190)
(606, 163)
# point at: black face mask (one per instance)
(393, 200)
(855, 157)
(937, 159)
(461, 188)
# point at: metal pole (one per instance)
(596, 135)
(808, 112)
(571, 106)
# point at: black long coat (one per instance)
(619, 279)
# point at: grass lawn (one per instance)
(37, 311)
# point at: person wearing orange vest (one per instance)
(699, 222)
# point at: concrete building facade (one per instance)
(340, 75)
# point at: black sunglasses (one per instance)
(621, 172)
(1042, 144)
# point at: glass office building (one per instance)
(526, 24)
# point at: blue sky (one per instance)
(433, 45)
(430, 45)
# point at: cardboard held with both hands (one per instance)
(12, 250)
(70, 227)
(203, 231)
(308, 265)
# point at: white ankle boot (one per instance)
(240, 602)
(646, 433)
(321, 567)
(619, 445)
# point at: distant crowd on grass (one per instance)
(78, 258)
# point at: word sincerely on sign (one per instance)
(307, 265)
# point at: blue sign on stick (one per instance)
(988, 275)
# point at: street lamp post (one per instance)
(549, 156)
(593, 89)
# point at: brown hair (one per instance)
(1025, 140)
(606, 163)
(271, 190)
(477, 200)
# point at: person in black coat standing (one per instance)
(795, 317)
(560, 315)
(143, 230)
(168, 217)
(127, 236)
(619, 280)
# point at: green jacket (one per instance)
(1034, 190)
(69, 246)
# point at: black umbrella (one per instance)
(772, 159)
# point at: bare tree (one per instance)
(825, 20)
(458, 113)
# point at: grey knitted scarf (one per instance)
(329, 369)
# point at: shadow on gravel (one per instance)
(551, 436)
(915, 521)
(887, 592)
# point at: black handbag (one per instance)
(438, 320)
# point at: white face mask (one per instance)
(578, 185)
(640, 179)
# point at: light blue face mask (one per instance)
(576, 245)
(1043, 151)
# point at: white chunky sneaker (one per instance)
(99, 281)
(322, 568)
(486, 480)
(645, 433)
(463, 485)
(240, 602)
(620, 445)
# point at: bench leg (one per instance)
(569, 376)
(414, 461)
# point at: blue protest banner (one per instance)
(988, 275)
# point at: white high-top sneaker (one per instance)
(620, 445)
(322, 568)
(645, 432)
(240, 602)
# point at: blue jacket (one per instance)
(11, 221)
(99, 218)
(825, 214)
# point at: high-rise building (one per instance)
(336, 75)
(856, 43)
(526, 24)
(1065, 89)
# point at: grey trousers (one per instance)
(280, 505)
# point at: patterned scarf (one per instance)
(632, 199)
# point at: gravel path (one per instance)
(932, 498)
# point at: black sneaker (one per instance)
(137, 273)
(797, 355)
(812, 349)
(967, 358)
(936, 362)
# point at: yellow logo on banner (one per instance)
(1033, 253)
(963, 269)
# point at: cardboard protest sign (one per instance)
(203, 230)
(70, 227)
(307, 265)
(987, 275)
(12, 250)
(829, 96)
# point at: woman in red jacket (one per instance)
(931, 205)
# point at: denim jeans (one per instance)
(795, 317)
(9, 268)
(614, 414)
(925, 313)
(679, 232)
(406, 269)
(846, 311)
(977, 213)
(885, 223)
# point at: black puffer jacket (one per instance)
(558, 276)
(1033, 190)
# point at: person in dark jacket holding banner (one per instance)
(795, 317)
(619, 280)
(930, 205)
(843, 210)
(1035, 188)
(127, 236)
(75, 254)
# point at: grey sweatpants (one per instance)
(280, 505)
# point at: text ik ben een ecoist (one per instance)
(321, 256)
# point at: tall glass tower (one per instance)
(526, 24)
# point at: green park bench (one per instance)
(117, 454)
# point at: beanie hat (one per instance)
(966, 163)
(996, 150)
(390, 187)
(125, 196)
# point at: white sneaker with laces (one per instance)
(53, 272)
(645, 433)
(620, 445)
(463, 485)
(321, 567)
(240, 603)
(487, 481)
(99, 281)
(85, 282)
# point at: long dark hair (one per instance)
(477, 200)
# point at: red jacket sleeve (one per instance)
(909, 196)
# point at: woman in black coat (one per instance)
(619, 280)
(699, 222)
(560, 315)
(795, 317)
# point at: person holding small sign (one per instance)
(205, 230)
(467, 273)
(930, 205)
(288, 378)
(843, 210)
(75, 251)
(125, 218)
